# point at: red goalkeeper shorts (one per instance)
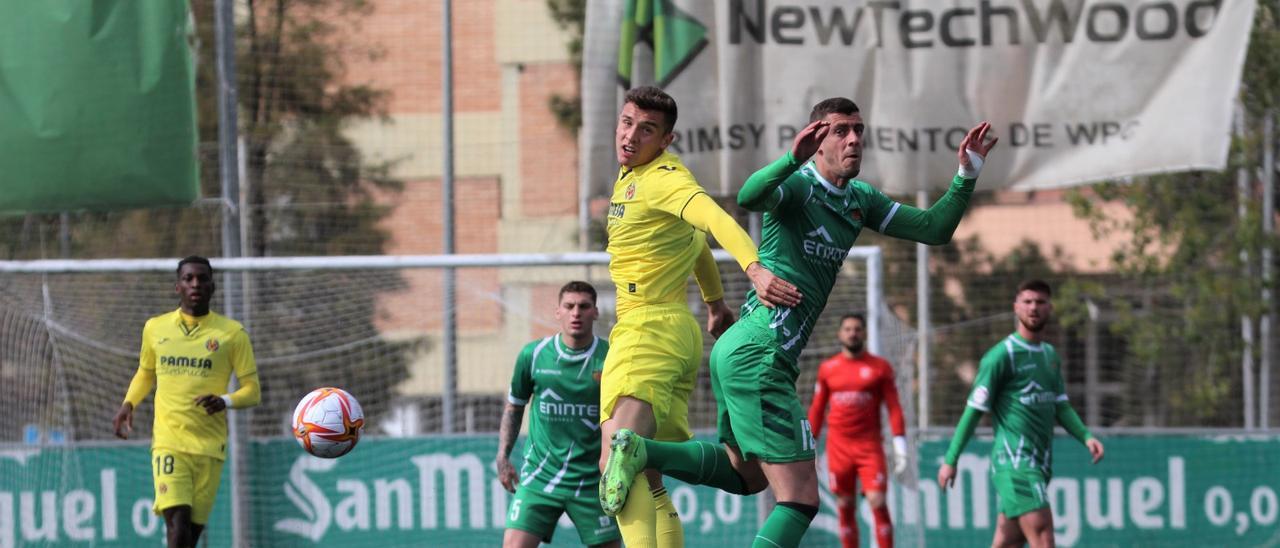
(850, 462)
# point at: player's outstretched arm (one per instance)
(818, 408)
(946, 476)
(143, 381)
(1095, 449)
(123, 421)
(772, 290)
(1071, 422)
(897, 425)
(964, 430)
(508, 429)
(719, 317)
(246, 368)
(974, 148)
(704, 214)
(936, 225)
(707, 273)
(760, 192)
(248, 395)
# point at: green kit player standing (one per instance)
(813, 213)
(558, 377)
(1019, 383)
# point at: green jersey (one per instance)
(561, 387)
(1019, 383)
(810, 224)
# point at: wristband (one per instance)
(226, 398)
(975, 161)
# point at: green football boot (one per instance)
(627, 458)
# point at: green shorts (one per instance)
(1020, 491)
(536, 512)
(757, 407)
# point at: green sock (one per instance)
(786, 526)
(695, 462)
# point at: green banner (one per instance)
(1158, 490)
(438, 490)
(90, 496)
(1148, 491)
(98, 105)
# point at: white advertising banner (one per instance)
(1078, 91)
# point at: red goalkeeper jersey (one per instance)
(855, 388)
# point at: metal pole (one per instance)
(584, 215)
(246, 278)
(449, 392)
(64, 235)
(875, 290)
(1269, 229)
(229, 170)
(922, 319)
(1093, 395)
(1246, 323)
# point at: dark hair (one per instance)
(838, 105)
(1037, 285)
(194, 259)
(653, 98)
(856, 316)
(578, 287)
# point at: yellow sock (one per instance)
(636, 521)
(670, 531)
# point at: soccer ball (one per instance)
(327, 422)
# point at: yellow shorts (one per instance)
(654, 354)
(185, 479)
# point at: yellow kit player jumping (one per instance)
(657, 224)
(188, 356)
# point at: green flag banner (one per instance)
(1172, 490)
(97, 106)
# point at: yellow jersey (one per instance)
(652, 248)
(190, 361)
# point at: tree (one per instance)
(1191, 264)
(310, 192)
(571, 15)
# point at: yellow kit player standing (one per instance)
(188, 355)
(657, 224)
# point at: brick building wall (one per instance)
(515, 169)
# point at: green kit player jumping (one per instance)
(558, 378)
(813, 213)
(1019, 383)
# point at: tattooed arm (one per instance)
(512, 416)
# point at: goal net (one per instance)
(69, 340)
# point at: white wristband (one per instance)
(227, 399)
(900, 445)
(975, 161)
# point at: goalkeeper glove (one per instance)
(899, 455)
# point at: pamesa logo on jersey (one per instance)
(187, 361)
(554, 407)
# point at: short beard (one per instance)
(1034, 328)
(855, 349)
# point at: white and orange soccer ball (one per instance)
(327, 422)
